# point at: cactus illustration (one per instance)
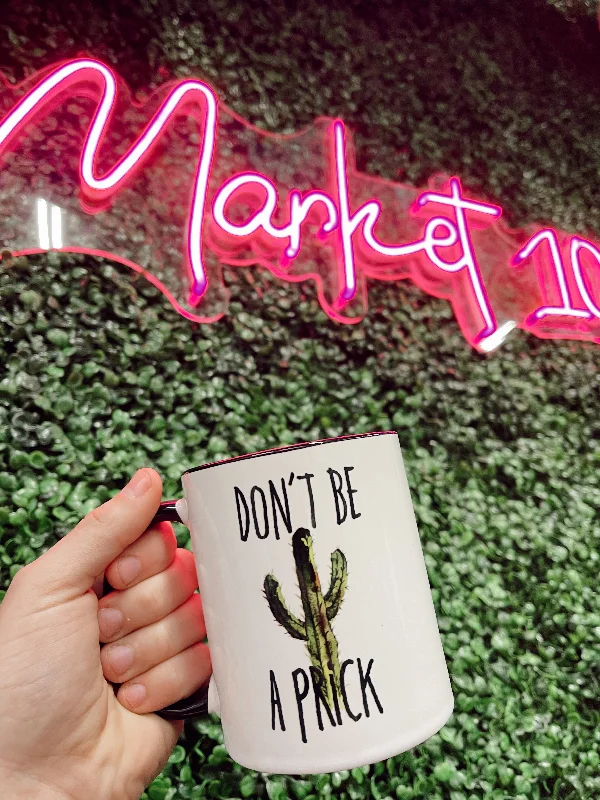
(319, 609)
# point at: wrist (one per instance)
(22, 786)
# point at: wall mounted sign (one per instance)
(178, 185)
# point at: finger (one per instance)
(140, 651)
(149, 555)
(121, 613)
(168, 682)
(72, 565)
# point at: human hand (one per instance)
(65, 733)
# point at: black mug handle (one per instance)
(196, 705)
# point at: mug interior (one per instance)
(286, 448)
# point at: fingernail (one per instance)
(129, 567)
(121, 658)
(139, 484)
(135, 694)
(110, 620)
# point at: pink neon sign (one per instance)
(178, 185)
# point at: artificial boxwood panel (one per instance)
(100, 375)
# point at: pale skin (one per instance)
(66, 732)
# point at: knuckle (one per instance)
(102, 515)
(190, 669)
(165, 548)
(201, 662)
(192, 621)
(20, 578)
(188, 567)
(171, 644)
(182, 670)
(200, 652)
(196, 613)
(169, 539)
(194, 605)
(154, 604)
(195, 657)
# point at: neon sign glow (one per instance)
(177, 186)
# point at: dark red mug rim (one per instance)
(287, 447)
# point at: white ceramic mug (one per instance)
(324, 642)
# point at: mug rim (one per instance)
(288, 447)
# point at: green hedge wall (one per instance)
(101, 376)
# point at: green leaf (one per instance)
(178, 755)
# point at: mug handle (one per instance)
(196, 705)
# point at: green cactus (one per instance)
(319, 610)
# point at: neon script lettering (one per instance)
(178, 186)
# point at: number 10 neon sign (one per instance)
(176, 186)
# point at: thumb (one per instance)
(71, 566)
